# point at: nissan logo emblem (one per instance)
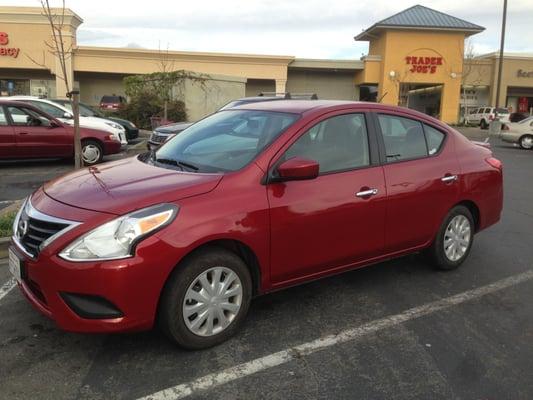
(22, 228)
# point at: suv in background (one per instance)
(482, 116)
(165, 132)
(112, 103)
(132, 132)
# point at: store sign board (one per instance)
(424, 65)
(7, 51)
(524, 74)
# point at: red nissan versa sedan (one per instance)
(27, 132)
(249, 200)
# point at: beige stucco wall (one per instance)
(256, 86)
(202, 100)
(332, 85)
(93, 86)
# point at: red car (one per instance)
(112, 103)
(27, 132)
(249, 200)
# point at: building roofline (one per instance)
(326, 64)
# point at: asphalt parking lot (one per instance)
(396, 330)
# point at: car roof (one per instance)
(33, 98)
(296, 106)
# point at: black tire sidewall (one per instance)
(171, 318)
(437, 250)
(520, 142)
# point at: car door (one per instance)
(7, 137)
(337, 219)
(37, 136)
(422, 175)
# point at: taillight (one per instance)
(495, 163)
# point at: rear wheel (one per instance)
(526, 142)
(91, 152)
(206, 299)
(454, 239)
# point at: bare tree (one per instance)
(59, 49)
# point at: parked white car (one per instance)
(520, 133)
(482, 116)
(65, 115)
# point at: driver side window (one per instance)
(338, 143)
(22, 116)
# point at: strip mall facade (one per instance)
(415, 59)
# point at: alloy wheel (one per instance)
(212, 301)
(526, 142)
(457, 238)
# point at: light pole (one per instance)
(500, 61)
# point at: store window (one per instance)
(14, 87)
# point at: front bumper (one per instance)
(129, 288)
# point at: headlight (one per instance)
(117, 238)
(17, 216)
(114, 125)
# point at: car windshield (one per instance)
(223, 142)
(85, 111)
(110, 99)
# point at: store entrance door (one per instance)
(421, 97)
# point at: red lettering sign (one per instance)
(7, 51)
(424, 65)
(4, 38)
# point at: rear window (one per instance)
(110, 99)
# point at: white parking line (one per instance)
(260, 364)
(7, 287)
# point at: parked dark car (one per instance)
(518, 116)
(165, 132)
(132, 132)
(112, 103)
(27, 132)
(247, 201)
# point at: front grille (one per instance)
(155, 138)
(33, 228)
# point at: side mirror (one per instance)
(54, 124)
(297, 169)
(68, 115)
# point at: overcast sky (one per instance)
(302, 28)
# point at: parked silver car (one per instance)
(520, 133)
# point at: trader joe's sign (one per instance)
(423, 65)
(7, 51)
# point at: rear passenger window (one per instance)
(403, 137)
(434, 139)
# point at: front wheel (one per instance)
(91, 152)
(454, 239)
(526, 142)
(206, 299)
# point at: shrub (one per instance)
(6, 224)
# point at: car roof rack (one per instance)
(289, 96)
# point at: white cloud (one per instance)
(304, 28)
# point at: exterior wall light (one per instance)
(453, 75)
(392, 74)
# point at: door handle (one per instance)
(449, 178)
(23, 133)
(366, 193)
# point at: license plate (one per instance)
(15, 266)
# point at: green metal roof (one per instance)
(420, 17)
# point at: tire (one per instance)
(92, 152)
(526, 142)
(438, 256)
(186, 329)
(483, 124)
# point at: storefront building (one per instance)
(416, 59)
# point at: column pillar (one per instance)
(281, 85)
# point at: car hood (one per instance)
(93, 123)
(123, 186)
(173, 128)
(119, 121)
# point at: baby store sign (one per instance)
(7, 51)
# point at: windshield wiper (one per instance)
(177, 163)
